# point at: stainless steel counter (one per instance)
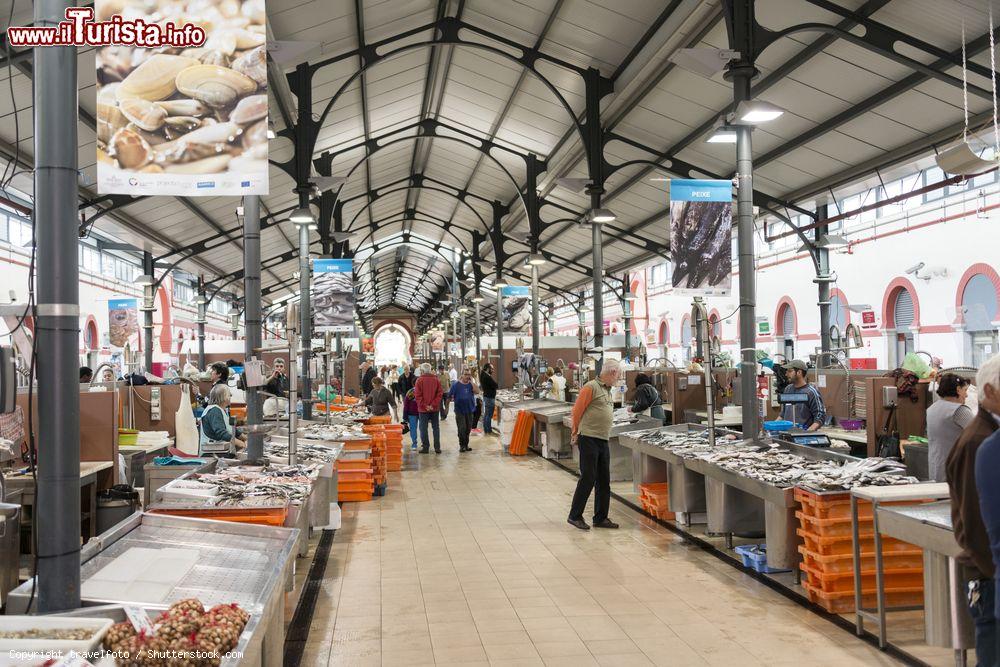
(621, 455)
(549, 420)
(240, 563)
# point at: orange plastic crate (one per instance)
(353, 487)
(261, 516)
(354, 464)
(844, 564)
(354, 475)
(843, 602)
(844, 581)
(830, 527)
(842, 546)
(354, 497)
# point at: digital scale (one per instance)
(798, 435)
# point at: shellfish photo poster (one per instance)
(333, 295)
(184, 121)
(123, 321)
(516, 303)
(701, 236)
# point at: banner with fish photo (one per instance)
(333, 295)
(437, 341)
(516, 304)
(185, 121)
(701, 228)
(123, 321)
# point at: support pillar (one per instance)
(305, 317)
(252, 317)
(535, 325)
(148, 306)
(627, 316)
(57, 328)
(598, 287)
(479, 335)
(202, 315)
(500, 362)
(823, 288)
(464, 335)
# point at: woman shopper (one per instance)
(489, 386)
(379, 399)
(411, 415)
(946, 418)
(647, 398)
(463, 394)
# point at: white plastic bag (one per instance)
(185, 426)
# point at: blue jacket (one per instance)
(464, 396)
(987, 467)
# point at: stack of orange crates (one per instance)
(653, 496)
(828, 556)
(380, 463)
(355, 481)
(521, 437)
(394, 447)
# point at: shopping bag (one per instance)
(185, 427)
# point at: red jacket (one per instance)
(428, 393)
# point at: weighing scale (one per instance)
(798, 435)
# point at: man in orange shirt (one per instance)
(593, 414)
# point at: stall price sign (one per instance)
(868, 320)
(763, 326)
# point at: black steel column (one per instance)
(741, 73)
(148, 306)
(252, 317)
(202, 314)
(823, 280)
(594, 139)
(627, 316)
(57, 329)
(305, 141)
(500, 362)
(479, 334)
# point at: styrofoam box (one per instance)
(41, 646)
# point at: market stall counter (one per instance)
(621, 455)
(153, 561)
(549, 421)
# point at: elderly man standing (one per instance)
(970, 529)
(593, 414)
(427, 392)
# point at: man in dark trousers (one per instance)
(966, 515)
(427, 391)
(489, 386)
(463, 393)
(368, 374)
(593, 415)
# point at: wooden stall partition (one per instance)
(833, 385)
(687, 393)
(911, 416)
(98, 429)
(170, 400)
(726, 384)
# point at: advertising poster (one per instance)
(516, 304)
(368, 345)
(123, 321)
(183, 118)
(701, 227)
(333, 295)
(437, 341)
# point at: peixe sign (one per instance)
(868, 319)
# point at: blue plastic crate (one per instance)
(755, 557)
(778, 425)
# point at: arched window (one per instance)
(714, 325)
(786, 320)
(839, 315)
(686, 337)
(902, 309)
(979, 311)
(663, 337)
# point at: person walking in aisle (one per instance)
(367, 373)
(411, 415)
(445, 381)
(593, 414)
(967, 517)
(489, 386)
(428, 395)
(380, 398)
(463, 394)
(452, 372)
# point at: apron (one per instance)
(204, 438)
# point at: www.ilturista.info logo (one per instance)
(80, 29)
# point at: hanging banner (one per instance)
(123, 321)
(437, 341)
(368, 345)
(701, 229)
(333, 295)
(516, 303)
(186, 121)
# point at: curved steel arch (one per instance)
(400, 140)
(421, 187)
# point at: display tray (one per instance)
(239, 563)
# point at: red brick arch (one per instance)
(979, 268)
(663, 333)
(889, 303)
(402, 325)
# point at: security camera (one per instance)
(916, 267)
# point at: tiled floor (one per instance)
(468, 560)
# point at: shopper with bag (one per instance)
(428, 394)
(593, 414)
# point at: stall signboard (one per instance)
(188, 121)
(701, 228)
(333, 295)
(123, 321)
(516, 303)
(763, 326)
(868, 320)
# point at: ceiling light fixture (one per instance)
(303, 215)
(477, 299)
(723, 134)
(144, 280)
(602, 215)
(500, 283)
(753, 112)
(535, 259)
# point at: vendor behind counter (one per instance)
(810, 415)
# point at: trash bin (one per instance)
(114, 505)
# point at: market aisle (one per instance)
(469, 560)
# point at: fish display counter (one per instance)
(549, 420)
(748, 486)
(624, 422)
(154, 561)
